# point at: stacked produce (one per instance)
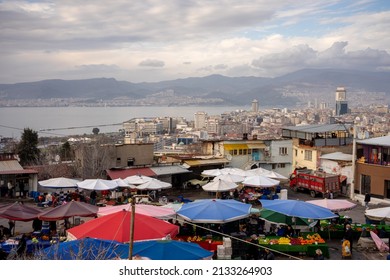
(309, 239)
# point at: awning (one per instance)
(15, 172)
(257, 146)
(202, 162)
(235, 146)
(169, 170)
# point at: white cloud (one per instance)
(153, 40)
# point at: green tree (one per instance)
(66, 151)
(96, 131)
(27, 148)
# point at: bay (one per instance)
(66, 121)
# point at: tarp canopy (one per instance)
(19, 212)
(298, 208)
(116, 226)
(334, 205)
(145, 209)
(68, 210)
(378, 214)
(59, 183)
(214, 211)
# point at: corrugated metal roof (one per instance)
(9, 165)
(23, 171)
(318, 128)
(337, 156)
(378, 141)
(165, 170)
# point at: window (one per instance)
(281, 165)
(308, 155)
(283, 151)
(240, 152)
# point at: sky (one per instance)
(154, 40)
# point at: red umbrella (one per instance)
(116, 227)
(70, 209)
(19, 212)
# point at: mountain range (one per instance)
(288, 89)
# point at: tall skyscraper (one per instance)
(255, 106)
(341, 101)
(200, 120)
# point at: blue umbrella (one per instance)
(298, 208)
(170, 250)
(214, 211)
(84, 249)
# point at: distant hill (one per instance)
(279, 91)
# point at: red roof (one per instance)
(123, 173)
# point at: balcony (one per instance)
(324, 142)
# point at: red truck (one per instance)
(316, 182)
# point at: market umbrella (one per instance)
(260, 181)
(230, 177)
(298, 208)
(169, 250)
(68, 210)
(212, 172)
(256, 171)
(59, 183)
(334, 205)
(275, 175)
(84, 249)
(382, 247)
(219, 186)
(279, 218)
(145, 209)
(233, 171)
(116, 226)
(19, 212)
(214, 211)
(378, 214)
(122, 183)
(153, 184)
(97, 184)
(137, 179)
(173, 205)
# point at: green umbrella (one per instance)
(278, 218)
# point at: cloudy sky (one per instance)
(154, 40)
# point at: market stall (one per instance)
(305, 244)
(336, 231)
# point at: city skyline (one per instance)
(157, 41)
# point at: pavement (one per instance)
(364, 249)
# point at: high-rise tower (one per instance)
(200, 120)
(341, 101)
(255, 106)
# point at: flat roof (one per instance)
(378, 141)
(319, 128)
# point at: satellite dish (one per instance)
(229, 157)
(57, 158)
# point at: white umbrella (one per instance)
(137, 179)
(212, 172)
(219, 186)
(275, 175)
(378, 214)
(97, 184)
(233, 171)
(257, 171)
(230, 177)
(122, 183)
(59, 182)
(260, 181)
(153, 184)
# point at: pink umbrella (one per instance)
(145, 209)
(334, 205)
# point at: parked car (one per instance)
(197, 183)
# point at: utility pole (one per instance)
(352, 191)
(131, 240)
